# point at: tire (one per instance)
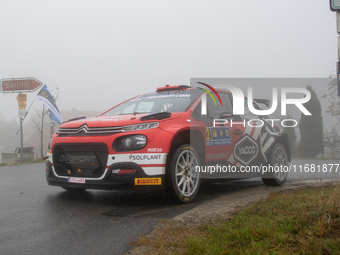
(277, 158)
(182, 181)
(74, 190)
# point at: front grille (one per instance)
(80, 160)
(84, 130)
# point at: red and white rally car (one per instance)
(163, 140)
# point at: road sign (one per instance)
(22, 113)
(335, 5)
(22, 105)
(20, 85)
(22, 97)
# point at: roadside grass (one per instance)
(292, 222)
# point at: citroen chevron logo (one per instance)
(204, 97)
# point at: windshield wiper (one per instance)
(140, 113)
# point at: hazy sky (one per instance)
(102, 52)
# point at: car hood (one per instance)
(111, 121)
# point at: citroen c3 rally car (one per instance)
(162, 140)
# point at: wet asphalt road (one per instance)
(39, 219)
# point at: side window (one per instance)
(248, 115)
(214, 111)
(197, 112)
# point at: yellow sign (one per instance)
(22, 97)
(22, 105)
(148, 181)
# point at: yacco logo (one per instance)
(238, 100)
(204, 97)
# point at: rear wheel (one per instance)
(278, 171)
(182, 180)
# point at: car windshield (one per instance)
(167, 101)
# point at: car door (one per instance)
(247, 131)
(220, 135)
(230, 140)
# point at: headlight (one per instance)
(131, 143)
(140, 126)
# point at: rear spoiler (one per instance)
(263, 101)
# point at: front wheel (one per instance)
(182, 180)
(278, 172)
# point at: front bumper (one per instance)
(117, 176)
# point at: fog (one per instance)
(101, 52)
(98, 53)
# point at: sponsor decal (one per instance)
(218, 156)
(217, 136)
(107, 119)
(164, 94)
(155, 149)
(76, 180)
(144, 157)
(245, 150)
(124, 171)
(103, 120)
(95, 119)
(187, 148)
(68, 158)
(148, 181)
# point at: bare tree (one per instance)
(39, 125)
(38, 120)
(332, 139)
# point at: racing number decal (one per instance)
(218, 136)
(207, 133)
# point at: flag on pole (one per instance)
(45, 97)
